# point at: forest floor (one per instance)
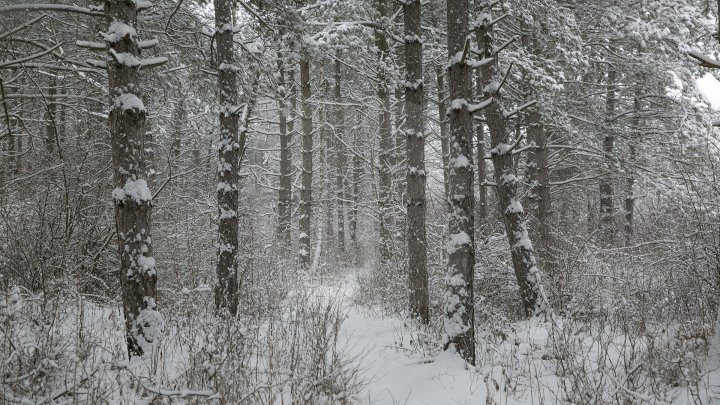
(401, 364)
(398, 369)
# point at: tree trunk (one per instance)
(229, 153)
(444, 138)
(460, 322)
(416, 177)
(526, 271)
(630, 178)
(480, 142)
(132, 197)
(354, 212)
(607, 194)
(340, 158)
(285, 192)
(326, 154)
(387, 143)
(541, 203)
(306, 201)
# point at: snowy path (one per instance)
(394, 375)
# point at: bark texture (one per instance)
(523, 255)
(132, 198)
(229, 154)
(340, 158)
(416, 177)
(607, 191)
(306, 201)
(459, 321)
(285, 192)
(444, 138)
(387, 143)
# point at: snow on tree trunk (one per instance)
(607, 193)
(416, 177)
(132, 197)
(307, 166)
(355, 210)
(387, 143)
(480, 142)
(539, 194)
(327, 146)
(630, 171)
(459, 301)
(523, 257)
(285, 192)
(444, 138)
(228, 169)
(340, 158)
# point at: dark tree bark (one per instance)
(340, 158)
(306, 201)
(523, 256)
(326, 156)
(460, 322)
(607, 192)
(444, 138)
(387, 143)
(539, 194)
(354, 211)
(285, 192)
(630, 172)
(229, 155)
(416, 177)
(132, 197)
(480, 142)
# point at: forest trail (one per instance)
(393, 372)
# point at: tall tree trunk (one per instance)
(285, 192)
(460, 322)
(340, 158)
(354, 212)
(523, 257)
(387, 143)
(326, 155)
(444, 138)
(607, 193)
(306, 201)
(630, 172)
(480, 142)
(539, 194)
(416, 177)
(229, 153)
(132, 197)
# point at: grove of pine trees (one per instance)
(345, 201)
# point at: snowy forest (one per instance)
(359, 202)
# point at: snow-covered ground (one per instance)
(523, 363)
(396, 372)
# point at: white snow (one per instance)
(136, 190)
(117, 31)
(457, 241)
(129, 101)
